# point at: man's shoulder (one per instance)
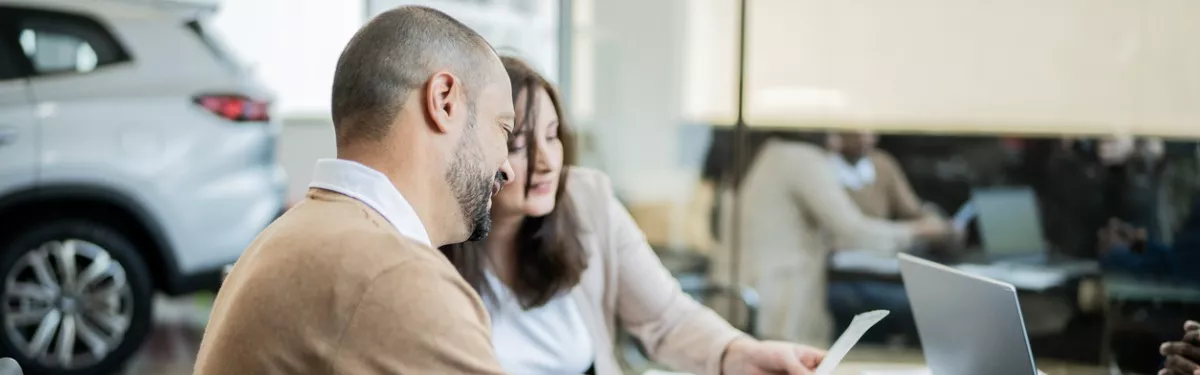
(882, 156)
(338, 235)
(791, 151)
(421, 294)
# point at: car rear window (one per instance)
(213, 43)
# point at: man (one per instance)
(1183, 356)
(350, 280)
(793, 209)
(873, 178)
(877, 185)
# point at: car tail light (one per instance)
(235, 107)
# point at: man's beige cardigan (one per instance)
(332, 288)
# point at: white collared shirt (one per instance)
(853, 176)
(374, 189)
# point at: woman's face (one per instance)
(542, 184)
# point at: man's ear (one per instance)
(442, 100)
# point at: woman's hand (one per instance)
(746, 356)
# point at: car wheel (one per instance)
(77, 298)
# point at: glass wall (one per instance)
(875, 127)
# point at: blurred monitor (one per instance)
(1008, 221)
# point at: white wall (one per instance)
(293, 46)
(525, 28)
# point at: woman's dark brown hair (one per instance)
(549, 257)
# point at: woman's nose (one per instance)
(541, 159)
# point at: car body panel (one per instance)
(132, 127)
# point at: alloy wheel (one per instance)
(67, 304)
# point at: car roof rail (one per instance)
(183, 8)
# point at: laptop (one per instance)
(967, 324)
(1010, 226)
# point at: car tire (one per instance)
(107, 303)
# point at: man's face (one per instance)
(480, 166)
(856, 145)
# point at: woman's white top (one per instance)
(550, 339)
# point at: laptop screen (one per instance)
(1009, 222)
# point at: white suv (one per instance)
(136, 155)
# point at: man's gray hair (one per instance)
(396, 52)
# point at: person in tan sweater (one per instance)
(793, 210)
(877, 185)
(873, 178)
(349, 280)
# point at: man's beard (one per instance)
(472, 190)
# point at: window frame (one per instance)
(9, 36)
(11, 27)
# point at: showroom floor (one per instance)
(175, 338)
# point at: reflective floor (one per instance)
(175, 339)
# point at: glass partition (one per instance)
(871, 124)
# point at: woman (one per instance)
(565, 266)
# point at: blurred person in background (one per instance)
(1129, 249)
(877, 185)
(565, 267)
(1182, 357)
(349, 281)
(1082, 183)
(873, 178)
(793, 210)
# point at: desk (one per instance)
(869, 265)
(1120, 290)
(1048, 295)
(870, 358)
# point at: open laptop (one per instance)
(1010, 226)
(967, 324)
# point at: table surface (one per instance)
(1129, 288)
(869, 358)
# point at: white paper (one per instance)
(858, 327)
(963, 217)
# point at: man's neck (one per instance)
(416, 179)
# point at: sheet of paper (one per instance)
(963, 217)
(858, 327)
